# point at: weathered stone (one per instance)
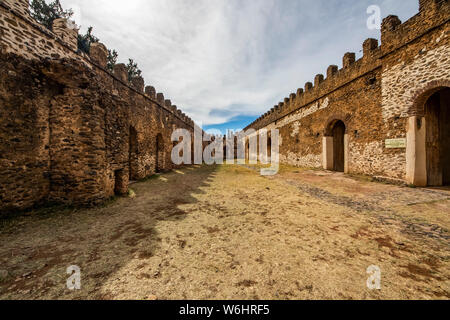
(138, 83)
(150, 91)
(70, 132)
(331, 71)
(99, 54)
(379, 97)
(369, 45)
(348, 60)
(318, 80)
(120, 71)
(160, 98)
(67, 32)
(308, 86)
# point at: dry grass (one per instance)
(227, 233)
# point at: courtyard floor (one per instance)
(225, 232)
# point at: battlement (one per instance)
(98, 129)
(67, 32)
(37, 42)
(335, 78)
(394, 35)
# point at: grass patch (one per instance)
(131, 194)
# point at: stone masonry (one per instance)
(375, 97)
(70, 131)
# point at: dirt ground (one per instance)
(225, 232)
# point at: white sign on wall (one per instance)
(396, 143)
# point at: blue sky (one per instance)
(225, 62)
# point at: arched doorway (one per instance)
(247, 149)
(159, 153)
(133, 154)
(428, 137)
(335, 144)
(437, 141)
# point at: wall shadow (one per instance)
(37, 249)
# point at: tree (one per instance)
(133, 70)
(112, 60)
(85, 41)
(45, 13)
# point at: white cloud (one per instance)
(216, 59)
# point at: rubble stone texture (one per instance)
(373, 96)
(71, 132)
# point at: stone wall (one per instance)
(70, 131)
(373, 96)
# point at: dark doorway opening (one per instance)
(159, 154)
(338, 146)
(133, 154)
(269, 147)
(247, 150)
(120, 182)
(437, 120)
